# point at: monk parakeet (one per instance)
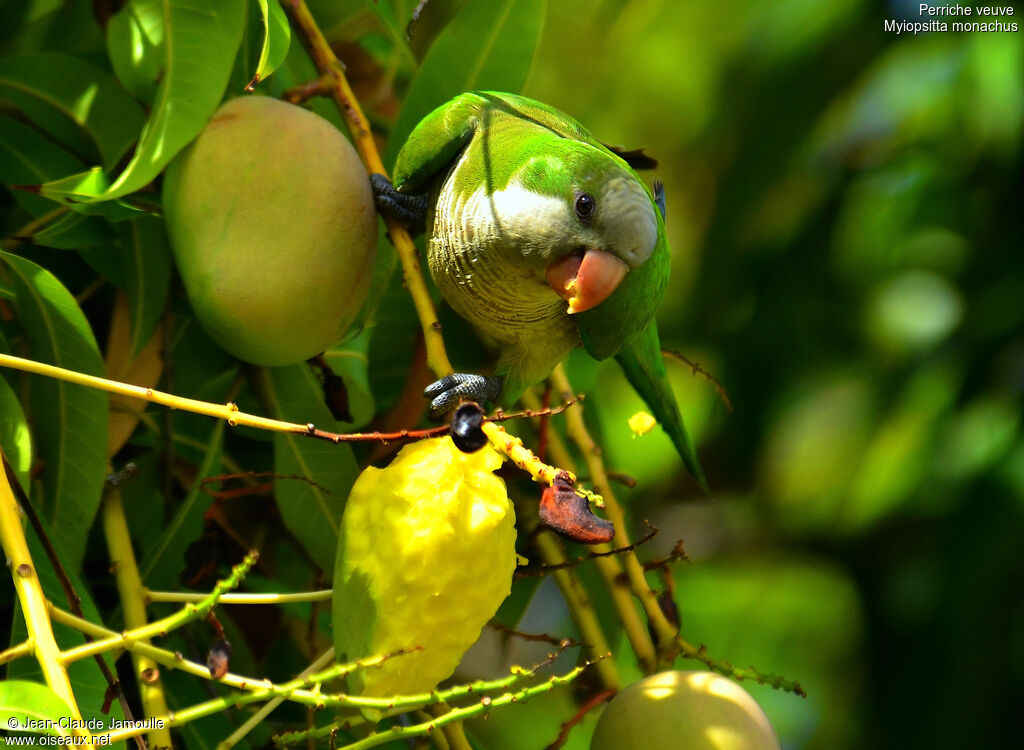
(543, 239)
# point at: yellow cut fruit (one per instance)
(425, 557)
(273, 228)
(684, 711)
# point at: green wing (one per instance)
(644, 367)
(440, 136)
(436, 141)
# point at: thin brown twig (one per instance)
(545, 411)
(539, 637)
(306, 91)
(677, 553)
(622, 478)
(590, 705)
(698, 370)
(253, 475)
(538, 570)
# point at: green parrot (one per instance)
(543, 239)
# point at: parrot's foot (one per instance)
(411, 210)
(446, 393)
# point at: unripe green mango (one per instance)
(684, 711)
(273, 228)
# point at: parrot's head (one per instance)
(589, 221)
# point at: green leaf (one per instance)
(147, 263)
(276, 40)
(15, 438)
(202, 39)
(165, 559)
(74, 231)
(27, 157)
(69, 421)
(489, 45)
(385, 13)
(22, 702)
(311, 512)
(90, 97)
(349, 361)
(135, 44)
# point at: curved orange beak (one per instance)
(588, 281)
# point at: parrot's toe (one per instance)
(445, 394)
(411, 210)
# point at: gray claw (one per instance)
(446, 393)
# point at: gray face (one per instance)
(540, 228)
(624, 221)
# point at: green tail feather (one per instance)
(644, 367)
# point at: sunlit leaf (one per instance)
(22, 701)
(69, 421)
(90, 97)
(135, 44)
(14, 433)
(276, 39)
(201, 43)
(311, 504)
(489, 45)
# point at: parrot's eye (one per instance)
(584, 206)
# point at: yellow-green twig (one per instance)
(228, 412)
(33, 601)
(180, 597)
(332, 71)
(611, 569)
(133, 603)
(257, 718)
(25, 648)
(146, 630)
(670, 643)
(664, 631)
(309, 697)
(398, 732)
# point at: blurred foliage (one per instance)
(845, 214)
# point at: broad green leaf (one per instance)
(90, 97)
(69, 421)
(349, 361)
(385, 12)
(489, 45)
(87, 681)
(27, 157)
(202, 39)
(311, 512)
(22, 702)
(147, 263)
(74, 231)
(15, 438)
(135, 44)
(276, 40)
(165, 558)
